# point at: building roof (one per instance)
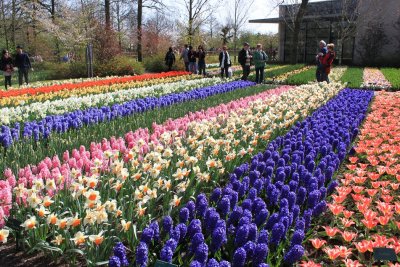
(305, 18)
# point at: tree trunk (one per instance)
(53, 19)
(190, 29)
(119, 26)
(4, 23)
(107, 13)
(296, 31)
(13, 11)
(139, 30)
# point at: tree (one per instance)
(372, 42)
(197, 13)
(238, 15)
(107, 14)
(225, 35)
(298, 19)
(153, 4)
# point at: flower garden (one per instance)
(183, 170)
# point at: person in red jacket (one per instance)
(327, 61)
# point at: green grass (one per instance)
(34, 76)
(302, 77)
(29, 152)
(353, 76)
(393, 76)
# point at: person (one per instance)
(260, 58)
(23, 64)
(318, 57)
(201, 54)
(7, 67)
(245, 60)
(327, 61)
(170, 58)
(184, 56)
(224, 62)
(192, 55)
(274, 52)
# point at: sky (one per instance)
(261, 9)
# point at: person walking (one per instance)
(184, 56)
(245, 60)
(260, 58)
(224, 62)
(320, 68)
(192, 54)
(23, 64)
(7, 67)
(170, 58)
(201, 64)
(327, 61)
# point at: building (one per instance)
(365, 32)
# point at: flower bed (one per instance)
(280, 76)
(39, 110)
(353, 77)
(375, 80)
(162, 174)
(74, 86)
(79, 118)
(263, 213)
(364, 211)
(26, 99)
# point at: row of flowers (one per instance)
(364, 212)
(79, 118)
(374, 79)
(262, 215)
(74, 86)
(39, 110)
(91, 192)
(27, 99)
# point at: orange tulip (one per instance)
(346, 222)
(331, 231)
(369, 223)
(348, 213)
(335, 208)
(348, 236)
(317, 243)
(364, 246)
(332, 253)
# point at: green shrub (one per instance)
(119, 66)
(156, 63)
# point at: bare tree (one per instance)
(238, 15)
(197, 13)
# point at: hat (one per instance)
(246, 44)
(19, 47)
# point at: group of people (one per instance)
(258, 58)
(195, 60)
(21, 61)
(324, 59)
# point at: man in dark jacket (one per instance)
(245, 60)
(23, 64)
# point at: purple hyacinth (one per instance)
(319, 208)
(277, 233)
(167, 224)
(156, 230)
(216, 194)
(218, 239)
(294, 254)
(297, 238)
(114, 262)
(196, 264)
(224, 206)
(191, 206)
(172, 243)
(201, 205)
(253, 231)
(250, 247)
(212, 263)
(166, 254)
(224, 264)
(182, 228)
(239, 257)
(261, 217)
(147, 235)
(263, 237)
(120, 252)
(201, 253)
(194, 228)
(142, 253)
(184, 215)
(242, 235)
(260, 253)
